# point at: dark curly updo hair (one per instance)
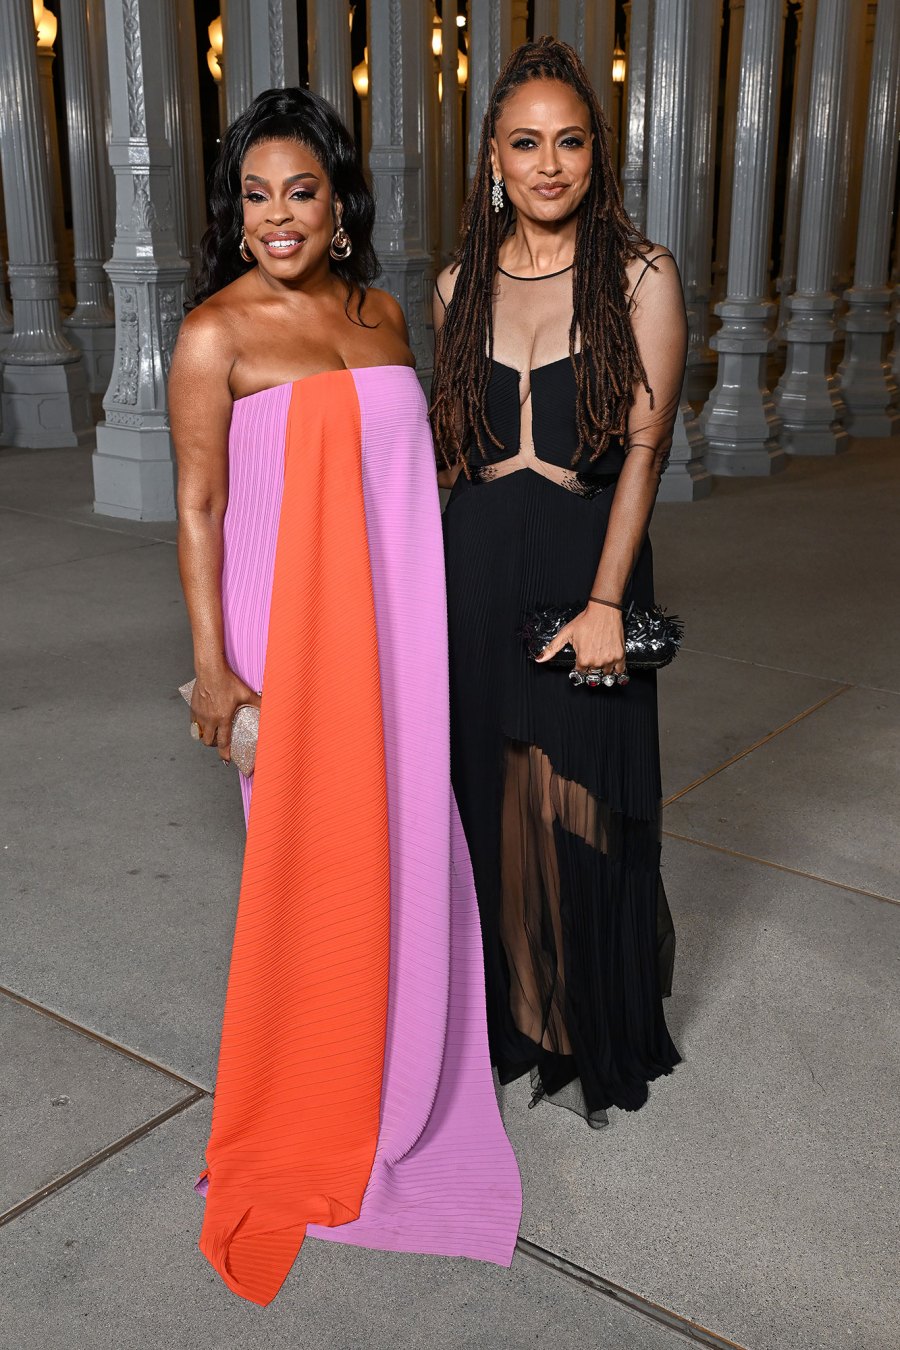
(287, 115)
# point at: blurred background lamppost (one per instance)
(45, 28)
(618, 84)
(453, 71)
(216, 62)
(360, 78)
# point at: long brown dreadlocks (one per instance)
(605, 241)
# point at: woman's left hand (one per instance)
(598, 637)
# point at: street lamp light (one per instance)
(45, 26)
(216, 47)
(360, 76)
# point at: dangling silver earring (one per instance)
(244, 249)
(341, 244)
(497, 195)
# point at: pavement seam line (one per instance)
(75, 562)
(673, 1321)
(86, 524)
(104, 1040)
(787, 670)
(88, 1165)
(763, 665)
(783, 867)
(763, 740)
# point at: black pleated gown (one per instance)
(558, 787)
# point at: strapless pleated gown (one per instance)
(354, 1098)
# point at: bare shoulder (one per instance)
(206, 330)
(445, 283)
(653, 274)
(206, 349)
(382, 307)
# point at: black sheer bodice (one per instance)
(551, 434)
(558, 788)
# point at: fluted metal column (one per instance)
(570, 24)
(729, 124)
(858, 59)
(865, 378)
(490, 34)
(91, 325)
(639, 42)
(546, 18)
(330, 64)
(699, 261)
(451, 131)
(6, 318)
(238, 79)
(399, 62)
(46, 57)
(668, 201)
(192, 146)
(133, 468)
(174, 126)
(589, 27)
(261, 49)
(274, 45)
(786, 283)
(806, 398)
(44, 389)
(739, 419)
(96, 22)
(599, 43)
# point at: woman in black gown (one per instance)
(560, 358)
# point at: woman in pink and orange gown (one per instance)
(354, 1097)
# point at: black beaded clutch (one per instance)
(652, 637)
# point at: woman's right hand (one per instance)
(217, 695)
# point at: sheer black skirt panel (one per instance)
(559, 793)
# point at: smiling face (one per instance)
(288, 217)
(541, 148)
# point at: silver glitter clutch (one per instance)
(244, 731)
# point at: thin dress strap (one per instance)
(647, 265)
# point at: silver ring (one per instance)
(609, 681)
(576, 677)
(623, 678)
(593, 679)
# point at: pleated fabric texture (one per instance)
(255, 485)
(298, 1089)
(445, 1179)
(559, 792)
(442, 1177)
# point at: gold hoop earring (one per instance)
(341, 244)
(247, 256)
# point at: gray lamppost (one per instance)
(668, 201)
(806, 397)
(739, 419)
(133, 469)
(44, 389)
(866, 382)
